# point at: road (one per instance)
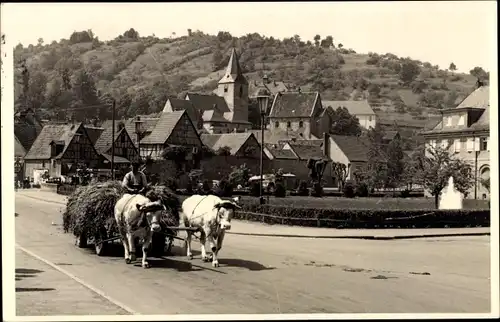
(258, 274)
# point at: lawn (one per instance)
(359, 203)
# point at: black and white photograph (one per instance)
(249, 160)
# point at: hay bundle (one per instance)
(91, 207)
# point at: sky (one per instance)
(463, 32)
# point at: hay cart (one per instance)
(161, 243)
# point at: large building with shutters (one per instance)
(465, 131)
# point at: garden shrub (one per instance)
(280, 190)
(302, 189)
(255, 188)
(365, 218)
(362, 189)
(348, 190)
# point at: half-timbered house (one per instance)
(172, 129)
(60, 148)
(125, 151)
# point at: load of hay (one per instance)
(90, 208)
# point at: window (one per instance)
(448, 121)
(225, 88)
(470, 144)
(276, 124)
(484, 144)
(241, 91)
(457, 146)
(444, 144)
(370, 118)
(301, 124)
(461, 120)
(432, 143)
(288, 124)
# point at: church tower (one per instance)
(233, 87)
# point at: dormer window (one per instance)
(461, 120)
(288, 124)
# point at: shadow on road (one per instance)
(34, 289)
(250, 265)
(170, 263)
(26, 272)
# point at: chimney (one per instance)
(326, 144)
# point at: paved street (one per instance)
(256, 275)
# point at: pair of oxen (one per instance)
(210, 214)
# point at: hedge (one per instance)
(365, 218)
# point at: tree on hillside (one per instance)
(452, 67)
(224, 36)
(190, 32)
(217, 59)
(40, 42)
(85, 95)
(131, 34)
(409, 72)
(327, 42)
(437, 167)
(340, 46)
(80, 37)
(344, 123)
(451, 99)
(317, 38)
(480, 73)
(395, 163)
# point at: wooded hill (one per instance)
(142, 72)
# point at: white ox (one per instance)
(212, 216)
(137, 216)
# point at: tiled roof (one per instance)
(208, 102)
(274, 135)
(354, 107)
(480, 98)
(279, 153)
(180, 105)
(298, 104)
(315, 142)
(483, 123)
(40, 150)
(233, 70)
(304, 151)
(274, 87)
(234, 141)
(94, 133)
(164, 128)
(103, 144)
(213, 116)
(19, 150)
(355, 148)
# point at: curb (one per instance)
(361, 236)
(365, 237)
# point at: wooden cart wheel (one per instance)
(99, 244)
(81, 240)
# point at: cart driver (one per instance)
(135, 181)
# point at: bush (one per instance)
(405, 193)
(362, 189)
(317, 190)
(280, 191)
(349, 191)
(366, 218)
(302, 189)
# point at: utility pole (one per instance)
(113, 143)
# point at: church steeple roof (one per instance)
(233, 71)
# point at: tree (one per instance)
(412, 170)
(85, 95)
(239, 175)
(409, 72)
(327, 42)
(344, 123)
(131, 34)
(451, 98)
(317, 38)
(375, 172)
(395, 164)
(479, 73)
(339, 173)
(190, 32)
(223, 151)
(340, 46)
(224, 36)
(438, 166)
(452, 67)
(40, 42)
(217, 58)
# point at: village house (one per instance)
(350, 151)
(360, 109)
(465, 131)
(60, 148)
(125, 152)
(174, 128)
(272, 86)
(301, 113)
